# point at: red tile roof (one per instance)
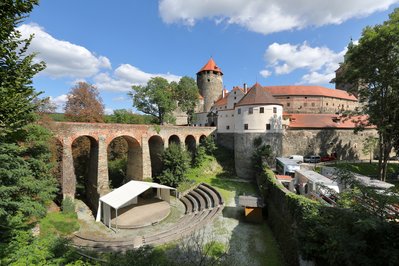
(326, 121)
(222, 101)
(309, 91)
(258, 95)
(211, 66)
(284, 177)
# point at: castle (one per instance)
(291, 119)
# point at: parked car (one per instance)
(312, 159)
(328, 158)
(298, 158)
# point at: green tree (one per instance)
(84, 104)
(176, 162)
(371, 67)
(16, 69)
(123, 116)
(156, 99)
(187, 96)
(369, 145)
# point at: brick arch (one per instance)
(191, 143)
(202, 138)
(134, 165)
(88, 173)
(156, 146)
(174, 139)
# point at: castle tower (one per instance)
(210, 83)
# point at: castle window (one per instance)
(250, 110)
(288, 104)
(235, 93)
(261, 110)
(232, 115)
(305, 104)
(209, 80)
(326, 104)
(306, 97)
(227, 127)
(288, 97)
(239, 111)
(235, 97)
(274, 110)
(268, 127)
(246, 126)
(225, 107)
(313, 104)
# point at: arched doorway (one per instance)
(85, 162)
(156, 147)
(125, 161)
(202, 139)
(174, 139)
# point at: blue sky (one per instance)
(116, 44)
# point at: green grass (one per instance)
(368, 169)
(58, 223)
(218, 171)
(272, 255)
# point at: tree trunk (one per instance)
(380, 153)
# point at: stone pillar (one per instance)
(102, 178)
(68, 170)
(166, 143)
(146, 158)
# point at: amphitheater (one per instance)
(201, 205)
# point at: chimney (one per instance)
(223, 93)
(245, 88)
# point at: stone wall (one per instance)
(210, 85)
(225, 140)
(243, 150)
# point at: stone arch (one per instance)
(202, 139)
(156, 146)
(127, 150)
(190, 144)
(85, 162)
(174, 139)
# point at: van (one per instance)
(312, 159)
(298, 158)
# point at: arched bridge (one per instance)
(145, 142)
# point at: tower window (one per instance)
(261, 110)
(288, 104)
(250, 110)
(268, 126)
(326, 104)
(235, 98)
(239, 111)
(209, 80)
(227, 127)
(274, 110)
(305, 104)
(246, 126)
(288, 97)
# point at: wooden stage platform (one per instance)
(145, 212)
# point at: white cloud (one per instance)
(267, 16)
(59, 102)
(120, 99)
(125, 76)
(265, 73)
(108, 111)
(63, 59)
(321, 62)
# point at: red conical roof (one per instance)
(211, 66)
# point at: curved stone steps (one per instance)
(200, 200)
(206, 196)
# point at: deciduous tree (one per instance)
(156, 99)
(84, 104)
(372, 69)
(187, 96)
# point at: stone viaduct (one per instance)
(145, 144)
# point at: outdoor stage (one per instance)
(144, 213)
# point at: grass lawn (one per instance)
(59, 223)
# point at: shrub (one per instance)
(209, 145)
(68, 205)
(176, 162)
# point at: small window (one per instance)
(306, 97)
(227, 127)
(261, 110)
(250, 110)
(235, 98)
(312, 104)
(200, 124)
(288, 104)
(246, 126)
(333, 104)
(347, 106)
(268, 127)
(305, 104)
(274, 110)
(235, 93)
(326, 104)
(239, 111)
(209, 80)
(225, 107)
(288, 97)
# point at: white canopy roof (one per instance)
(128, 191)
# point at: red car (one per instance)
(328, 158)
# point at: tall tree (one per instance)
(372, 69)
(16, 69)
(187, 96)
(84, 104)
(156, 99)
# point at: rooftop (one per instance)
(258, 95)
(211, 66)
(326, 121)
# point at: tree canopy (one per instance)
(16, 69)
(156, 99)
(187, 96)
(84, 104)
(371, 67)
